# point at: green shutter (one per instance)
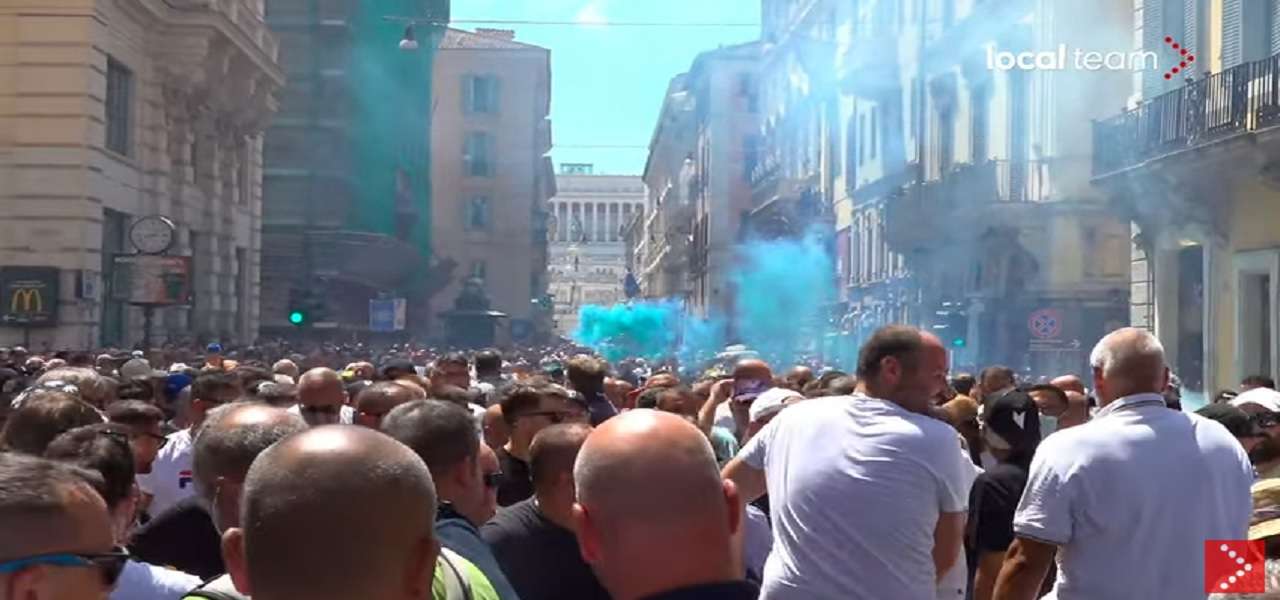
(467, 94)
(1232, 33)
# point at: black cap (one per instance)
(1014, 417)
(1235, 420)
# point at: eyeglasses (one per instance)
(109, 564)
(161, 440)
(493, 480)
(1268, 419)
(325, 410)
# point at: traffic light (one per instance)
(301, 308)
(952, 325)
(298, 317)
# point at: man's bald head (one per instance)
(231, 438)
(752, 368)
(321, 396)
(318, 380)
(631, 474)
(336, 512)
(1128, 361)
(1068, 383)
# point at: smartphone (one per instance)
(746, 390)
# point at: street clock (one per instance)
(152, 235)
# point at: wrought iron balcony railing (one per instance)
(1242, 99)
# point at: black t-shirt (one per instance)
(992, 504)
(182, 537)
(517, 484)
(541, 559)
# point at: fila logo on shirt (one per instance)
(184, 479)
(1234, 567)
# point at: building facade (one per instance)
(588, 252)
(491, 176)
(118, 110)
(663, 234)
(1191, 165)
(969, 205)
(347, 205)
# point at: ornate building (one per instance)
(115, 110)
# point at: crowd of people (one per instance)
(340, 472)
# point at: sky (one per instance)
(607, 83)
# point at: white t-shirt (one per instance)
(142, 581)
(1130, 498)
(170, 481)
(955, 582)
(856, 486)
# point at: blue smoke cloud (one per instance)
(782, 290)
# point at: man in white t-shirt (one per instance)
(1128, 500)
(169, 481)
(867, 494)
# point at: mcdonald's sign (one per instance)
(28, 296)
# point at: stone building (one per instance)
(115, 110)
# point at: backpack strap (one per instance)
(456, 585)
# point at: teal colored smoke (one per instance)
(782, 294)
(783, 291)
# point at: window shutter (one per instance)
(495, 94)
(1275, 27)
(1153, 41)
(1232, 33)
(1191, 27)
(468, 94)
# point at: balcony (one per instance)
(1230, 105)
(951, 209)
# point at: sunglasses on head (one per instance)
(109, 564)
(493, 480)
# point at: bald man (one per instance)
(337, 513)
(871, 472)
(533, 539)
(54, 523)
(653, 517)
(1080, 502)
(375, 401)
(231, 438)
(322, 398)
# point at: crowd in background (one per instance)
(344, 471)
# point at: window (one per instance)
(119, 107)
(875, 131)
(477, 156)
(477, 214)
(862, 130)
(479, 270)
(978, 150)
(480, 94)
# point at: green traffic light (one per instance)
(296, 317)
(958, 342)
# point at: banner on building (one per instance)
(29, 296)
(387, 315)
(151, 280)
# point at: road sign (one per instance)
(1045, 324)
(29, 296)
(387, 315)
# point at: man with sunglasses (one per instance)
(322, 398)
(57, 542)
(443, 435)
(528, 409)
(1263, 407)
(146, 437)
(104, 449)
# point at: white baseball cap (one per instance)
(770, 402)
(1265, 397)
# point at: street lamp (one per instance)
(409, 43)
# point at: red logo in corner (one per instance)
(1234, 567)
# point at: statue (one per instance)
(472, 296)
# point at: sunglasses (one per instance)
(493, 480)
(109, 564)
(325, 410)
(1265, 420)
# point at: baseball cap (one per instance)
(1015, 418)
(1265, 397)
(749, 389)
(397, 364)
(770, 403)
(1235, 420)
(1265, 520)
(214, 348)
